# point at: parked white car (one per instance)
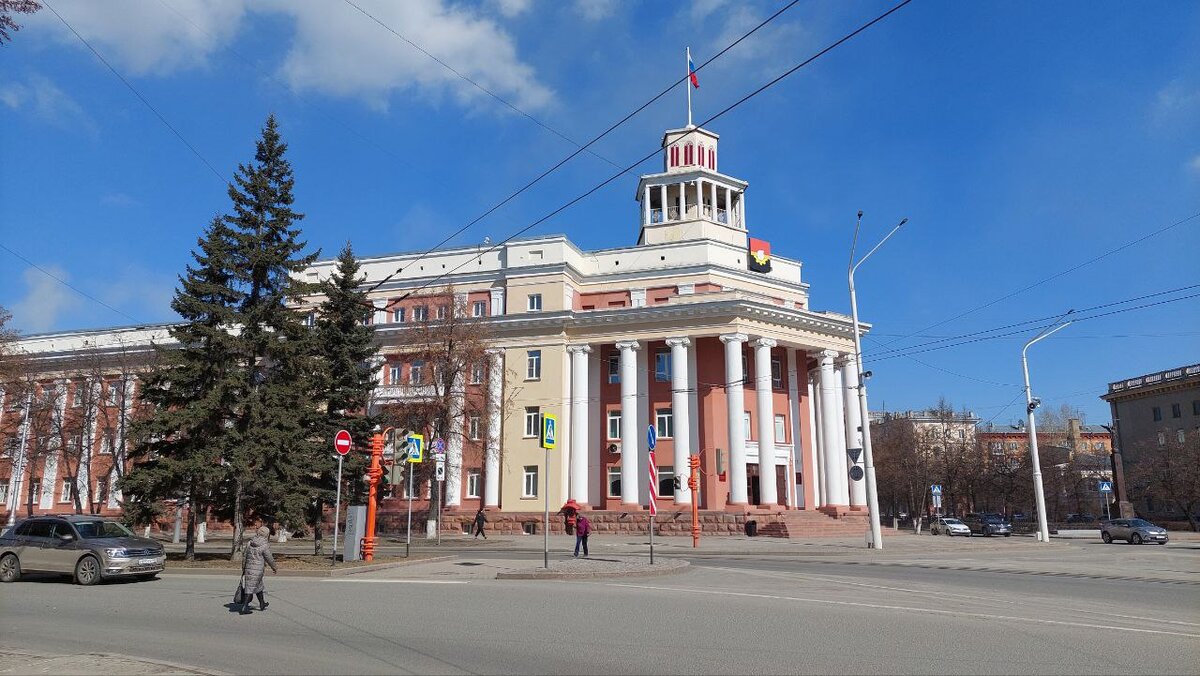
(948, 525)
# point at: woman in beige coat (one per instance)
(255, 559)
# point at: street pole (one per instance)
(408, 531)
(868, 457)
(546, 517)
(337, 509)
(1039, 494)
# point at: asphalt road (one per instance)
(727, 615)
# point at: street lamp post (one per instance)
(1031, 404)
(868, 458)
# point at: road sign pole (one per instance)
(546, 516)
(408, 531)
(337, 509)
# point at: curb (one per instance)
(591, 575)
(335, 572)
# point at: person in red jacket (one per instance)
(583, 528)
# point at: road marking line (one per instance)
(403, 581)
(934, 611)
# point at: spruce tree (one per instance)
(275, 470)
(347, 346)
(193, 391)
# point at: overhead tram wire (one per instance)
(1036, 284)
(581, 149)
(654, 152)
(905, 350)
(70, 286)
(141, 98)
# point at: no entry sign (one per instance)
(342, 442)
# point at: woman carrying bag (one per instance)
(255, 559)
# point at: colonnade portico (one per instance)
(817, 447)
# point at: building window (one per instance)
(1196, 407)
(479, 308)
(614, 370)
(687, 154)
(533, 416)
(662, 367)
(421, 313)
(666, 483)
(530, 487)
(4, 491)
(780, 429)
(473, 476)
(1176, 411)
(416, 373)
(477, 374)
(745, 369)
(113, 393)
(614, 482)
(962, 435)
(68, 491)
(1180, 437)
(614, 424)
(777, 374)
(310, 319)
(534, 304)
(1157, 414)
(664, 423)
(442, 311)
(712, 159)
(107, 443)
(746, 425)
(1098, 446)
(77, 395)
(533, 365)
(12, 446)
(473, 427)
(1012, 445)
(1162, 439)
(674, 156)
(394, 374)
(398, 315)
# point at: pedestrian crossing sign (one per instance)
(549, 431)
(416, 448)
(1106, 487)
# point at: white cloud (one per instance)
(146, 37)
(347, 54)
(41, 97)
(139, 292)
(1174, 103)
(511, 8)
(118, 199)
(594, 10)
(773, 46)
(1194, 165)
(45, 301)
(700, 9)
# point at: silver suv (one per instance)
(90, 548)
(1133, 531)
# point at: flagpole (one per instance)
(687, 84)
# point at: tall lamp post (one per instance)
(1031, 404)
(868, 458)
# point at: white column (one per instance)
(854, 438)
(796, 498)
(831, 422)
(712, 196)
(454, 442)
(579, 422)
(742, 210)
(842, 466)
(682, 201)
(816, 479)
(662, 201)
(495, 387)
(646, 205)
(735, 408)
(693, 409)
(680, 414)
(629, 423)
(768, 493)
(728, 207)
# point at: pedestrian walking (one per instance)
(480, 519)
(255, 559)
(583, 528)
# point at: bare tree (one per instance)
(1166, 478)
(8, 8)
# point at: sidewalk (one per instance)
(87, 664)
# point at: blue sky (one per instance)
(1021, 140)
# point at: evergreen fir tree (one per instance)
(275, 471)
(194, 390)
(347, 346)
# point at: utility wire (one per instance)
(1036, 284)
(574, 154)
(474, 83)
(654, 152)
(141, 98)
(67, 284)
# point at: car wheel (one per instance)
(1135, 539)
(10, 568)
(1106, 537)
(87, 571)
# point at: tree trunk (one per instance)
(236, 547)
(189, 549)
(318, 522)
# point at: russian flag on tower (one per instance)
(692, 71)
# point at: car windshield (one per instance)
(1141, 523)
(992, 518)
(952, 522)
(90, 530)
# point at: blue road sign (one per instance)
(1106, 487)
(936, 489)
(549, 432)
(439, 445)
(416, 448)
(651, 437)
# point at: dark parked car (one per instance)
(89, 548)
(1080, 518)
(1133, 531)
(988, 524)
